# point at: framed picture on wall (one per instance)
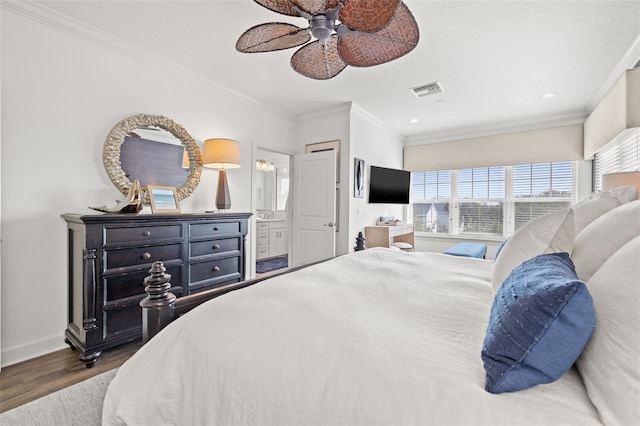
(164, 199)
(358, 178)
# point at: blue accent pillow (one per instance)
(541, 319)
(500, 248)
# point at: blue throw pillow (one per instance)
(500, 248)
(541, 319)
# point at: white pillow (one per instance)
(589, 209)
(610, 362)
(603, 237)
(552, 233)
(625, 193)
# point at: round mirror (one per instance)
(155, 150)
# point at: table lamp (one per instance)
(613, 180)
(221, 154)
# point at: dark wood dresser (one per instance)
(111, 254)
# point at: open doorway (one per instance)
(271, 212)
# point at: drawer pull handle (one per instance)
(146, 256)
(216, 246)
(146, 233)
(215, 228)
(216, 268)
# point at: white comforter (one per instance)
(374, 337)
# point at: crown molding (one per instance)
(70, 26)
(356, 110)
(492, 130)
(324, 113)
(629, 59)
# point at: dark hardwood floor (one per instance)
(37, 377)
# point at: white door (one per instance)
(314, 207)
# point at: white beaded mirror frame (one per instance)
(116, 137)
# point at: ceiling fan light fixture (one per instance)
(321, 28)
(368, 33)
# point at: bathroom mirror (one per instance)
(265, 181)
(272, 181)
(154, 150)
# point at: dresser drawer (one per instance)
(203, 271)
(203, 248)
(127, 285)
(126, 321)
(141, 255)
(213, 229)
(141, 234)
(262, 225)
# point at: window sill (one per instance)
(464, 237)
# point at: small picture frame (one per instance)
(358, 178)
(164, 199)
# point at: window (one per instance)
(481, 195)
(489, 201)
(433, 215)
(540, 189)
(622, 154)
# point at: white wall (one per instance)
(61, 95)
(377, 146)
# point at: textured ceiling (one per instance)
(493, 59)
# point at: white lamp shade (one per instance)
(614, 180)
(221, 154)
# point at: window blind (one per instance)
(489, 200)
(534, 146)
(622, 154)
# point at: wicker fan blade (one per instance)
(318, 62)
(280, 6)
(368, 16)
(312, 7)
(270, 37)
(395, 40)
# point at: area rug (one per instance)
(79, 404)
(268, 265)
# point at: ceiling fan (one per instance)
(360, 33)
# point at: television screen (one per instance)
(389, 186)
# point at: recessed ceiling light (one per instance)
(548, 96)
(413, 121)
(439, 101)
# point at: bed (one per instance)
(382, 336)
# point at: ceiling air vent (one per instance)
(427, 89)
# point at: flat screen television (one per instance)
(389, 186)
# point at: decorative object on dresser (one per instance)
(222, 154)
(109, 255)
(164, 199)
(151, 148)
(132, 204)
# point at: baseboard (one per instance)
(32, 350)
